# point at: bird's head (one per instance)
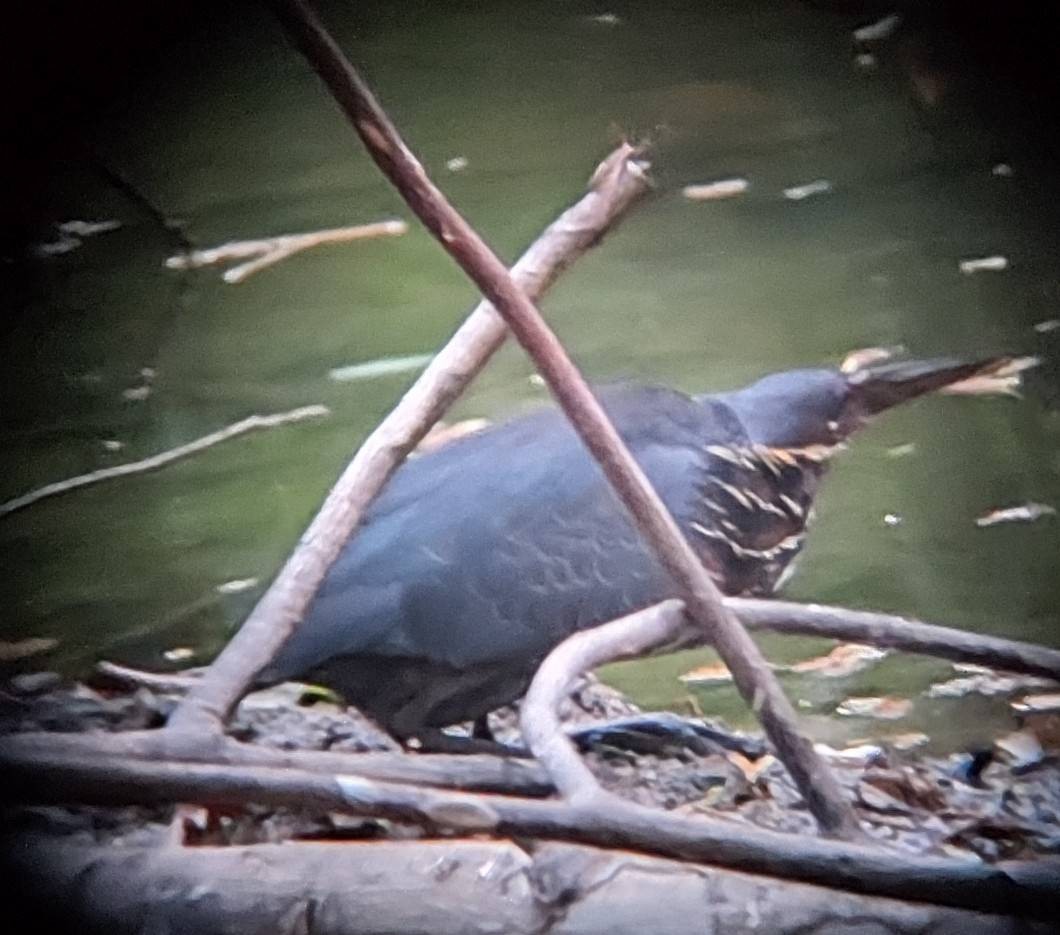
(823, 407)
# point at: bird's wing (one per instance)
(503, 543)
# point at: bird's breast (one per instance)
(751, 508)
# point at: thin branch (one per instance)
(750, 672)
(154, 462)
(616, 185)
(1029, 889)
(263, 253)
(464, 771)
(167, 683)
(911, 636)
(539, 722)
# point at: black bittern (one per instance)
(482, 556)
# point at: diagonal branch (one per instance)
(617, 184)
(702, 598)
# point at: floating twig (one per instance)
(716, 191)
(249, 424)
(262, 253)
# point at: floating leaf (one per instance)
(384, 366)
(901, 451)
(865, 356)
(800, 192)
(716, 191)
(994, 263)
(888, 708)
(179, 653)
(1037, 704)
(880, 30)
(136, 393)
(236, 585)
(88, 228)
(714, 673)
(1027, 513)
(844, 660)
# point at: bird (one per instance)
(480, 557)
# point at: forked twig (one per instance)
(154, 462)
(260, 254)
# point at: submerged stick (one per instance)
(154, 462)
(271, 250)
(751, 673)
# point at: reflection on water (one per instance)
(114, 358)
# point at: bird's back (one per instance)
(494, 548)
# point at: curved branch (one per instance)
(539, 722)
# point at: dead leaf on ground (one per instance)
(860, 755)
(1038, 704)
(751, 769)
(887, 708)
(908, 787)
(907, 741)
(1022, 749)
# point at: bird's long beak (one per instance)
(877, 386)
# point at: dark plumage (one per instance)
(480, 557)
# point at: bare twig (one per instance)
(465, 771)
(605, 821)
(911, 636)
(249, 424)
(617, 183)
(703, 600)
(538, 715)
(274, 249)
(163, 682)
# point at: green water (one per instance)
(233, 137)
